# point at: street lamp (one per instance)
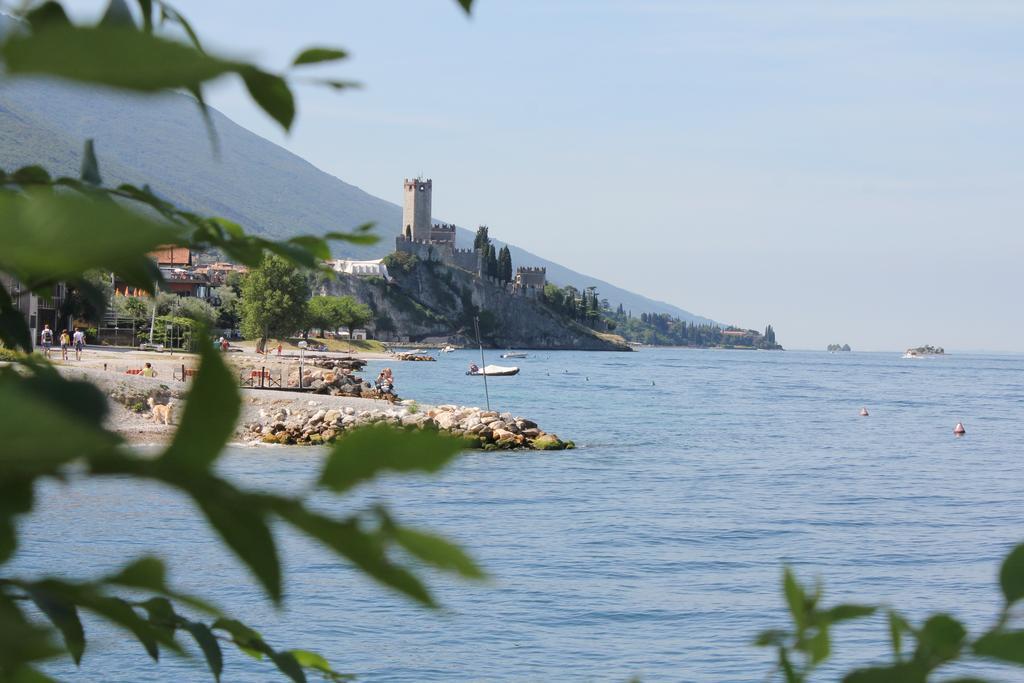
(302, 351)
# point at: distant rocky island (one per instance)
(927, 350)
(836, 347)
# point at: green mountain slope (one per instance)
(162, 141)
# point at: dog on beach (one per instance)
(160, 412)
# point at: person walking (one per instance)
(65, 342)
(46, 339)
(79, 342)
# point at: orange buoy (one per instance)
(959, 429)
(863, 412)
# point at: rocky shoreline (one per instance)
(480, 429)
(335, 401)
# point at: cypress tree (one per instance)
(492, 261)
(505, 265)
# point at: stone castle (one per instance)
(429, 241)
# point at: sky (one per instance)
(849, 172)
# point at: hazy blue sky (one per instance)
(848, 171)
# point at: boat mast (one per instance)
(483, 371)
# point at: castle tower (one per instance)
(416, 209)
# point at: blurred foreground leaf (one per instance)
(365, 453)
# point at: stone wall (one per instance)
(434, 302)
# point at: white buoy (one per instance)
(959, 429)
(863, 412)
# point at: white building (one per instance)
(360, 267)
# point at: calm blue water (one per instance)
(654, 550)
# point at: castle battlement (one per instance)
(403, 238)
(531, 269)
(444, 226)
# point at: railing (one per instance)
(260, 379)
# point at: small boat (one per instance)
(492, 370)
(448, 349)
(513, 354)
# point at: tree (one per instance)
(198, 310)
(99, 228)
(324, 313)
(505, 265)
(274, 299)
(481, 240)
(85, 299)
(228, 305)
(492, 261)
(234, 281)
(354, 314)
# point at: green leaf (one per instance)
(90, 166)
(898, 673)
(365, 550)
(353, 237)
(120, 613)
(208, 643)
(28, 175)
(210, 414)
(787, 667)
(76, 398)
(795, 598)
(16, 498)
(310, 660)
(64, 616)
(771, 638)
(939, 641)
(162, 616)
(315, 55)
(1011, 575)
(846, 612)
(248, 640)
(25, 417)
(147, 573)
(47, 15)
(336, 84)
(317, 246)
(1006, 646)
(132, 60)
(364, 453)
(91, 235)
(168, 13)
(289, 666)
(819, 646)
(146, 7)
(897, 626)
(438, 552)
(246, 532)
(27, 674)
(14, 332)
(118, 15)
(271, 92)
(467, 5)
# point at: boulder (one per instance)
(445, 421)
(548, 442)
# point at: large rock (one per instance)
(548, 442)
(445, 420)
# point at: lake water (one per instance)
(654, 550)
